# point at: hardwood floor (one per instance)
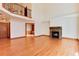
(39, 46)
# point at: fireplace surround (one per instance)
(56, 32)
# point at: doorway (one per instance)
(29, 29)
(4, 30)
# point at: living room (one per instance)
(44, 16)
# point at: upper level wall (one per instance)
(59, 9)
(39, 11)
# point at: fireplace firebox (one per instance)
(56, 32)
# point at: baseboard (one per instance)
(41, 35)
(18, 37)
(69, 38)
(62, 37)
(44, 35)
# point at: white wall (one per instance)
(64, 15)
(41, 19)
(60, 9)
(68, 24)
(41, 13)
(45, 28)
(41, 28)
(17, 28)
(59, 14)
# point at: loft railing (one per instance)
(18, 9)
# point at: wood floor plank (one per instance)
(39, 46)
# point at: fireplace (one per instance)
(56, 32)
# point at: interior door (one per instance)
(4, 30)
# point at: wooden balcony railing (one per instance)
(17, 9)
